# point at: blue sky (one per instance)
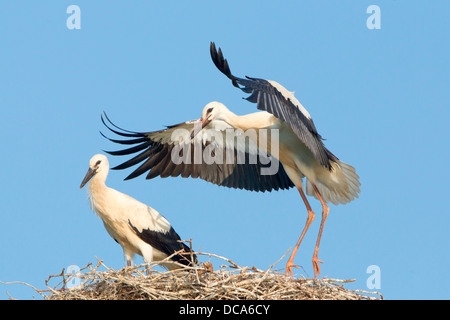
(379, 97)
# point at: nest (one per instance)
(230, 282)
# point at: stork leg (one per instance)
(128, 257)
(290, 264)
(325, 211)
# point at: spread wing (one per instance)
(272, 97)
(236, 163)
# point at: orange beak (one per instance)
(199, 126)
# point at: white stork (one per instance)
(301, 151)
(138, 228)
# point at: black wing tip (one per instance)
(113, 153)
(136, 173)
(128, 133)
(187, 256)
(168, 242)
(221, 63)
(184, 258)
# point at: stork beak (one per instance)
(87, 177)
(201, 123)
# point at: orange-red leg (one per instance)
(290, 264)
(325, 210)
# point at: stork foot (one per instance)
(289, 265)
(316, 266)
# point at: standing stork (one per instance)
(138, 228)
(301, 151)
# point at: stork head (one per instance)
(97, 165)
(212, 111)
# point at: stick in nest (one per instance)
(201, 282)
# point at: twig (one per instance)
(24, 283)
(232, 283)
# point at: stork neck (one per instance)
(98, 182)
(256, 120)
(233, 120)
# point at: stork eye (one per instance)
(98, 163)
(209, 110)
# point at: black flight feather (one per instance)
(168, 243)
(269, 99)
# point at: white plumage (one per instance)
(337, 185)
(301, 151)
(138, 228)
